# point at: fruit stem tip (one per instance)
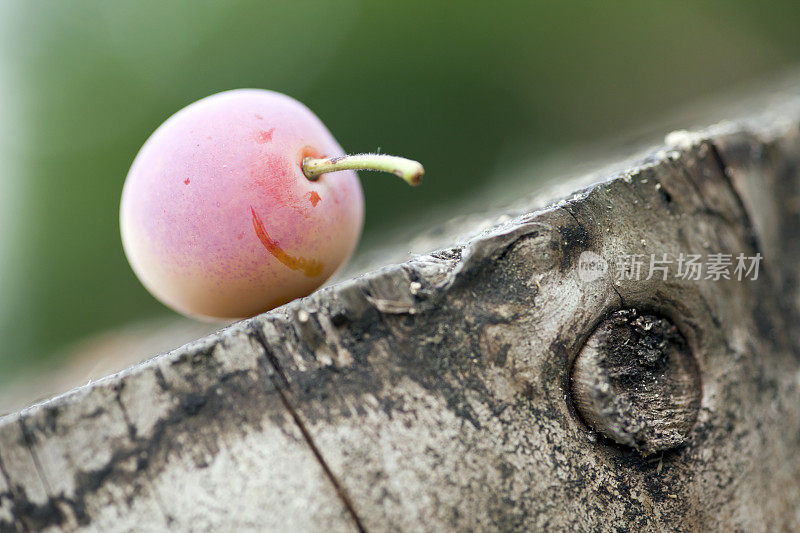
(409, 170)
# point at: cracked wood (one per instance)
(434, 394)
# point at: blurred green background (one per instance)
(83, 84)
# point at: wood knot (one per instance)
(636, 382)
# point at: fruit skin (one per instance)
(218, 220)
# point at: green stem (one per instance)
(409, 170)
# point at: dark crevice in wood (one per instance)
(279, 388)
(132, 436)
(695, 186)
(21, 518)
(36, 463)
(276, 367)
(751, 233)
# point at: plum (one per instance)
(243, 201)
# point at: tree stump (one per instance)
(437, 394)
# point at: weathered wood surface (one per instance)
(434, 394)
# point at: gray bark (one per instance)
(435, 394)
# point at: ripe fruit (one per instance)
(241, 202)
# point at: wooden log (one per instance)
(436, 394)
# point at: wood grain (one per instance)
(435, 394)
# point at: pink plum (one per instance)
(243, 201)
(218, 219)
